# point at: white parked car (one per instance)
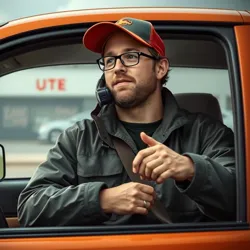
(49, 131)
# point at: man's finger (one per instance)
(146, 197)
(148, 140)
(154, 168)
(140, 156)
(147, 189)
(140, 210)
(145, 162)
(165, 175)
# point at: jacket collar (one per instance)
(173, 118)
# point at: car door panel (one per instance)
(9, 192)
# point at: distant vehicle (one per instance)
(49, 131)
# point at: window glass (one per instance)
(200, 80)
(37, 104)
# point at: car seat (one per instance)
(200, 102)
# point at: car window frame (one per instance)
(225, 36)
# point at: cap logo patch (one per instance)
(124, 22)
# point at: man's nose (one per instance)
(119, 66)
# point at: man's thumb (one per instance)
(148, 140)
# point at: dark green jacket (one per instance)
(64, 189)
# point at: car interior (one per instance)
(182, 51)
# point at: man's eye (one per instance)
(131, 56)
(109, 61)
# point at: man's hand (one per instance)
(158, 162)
(128, 198)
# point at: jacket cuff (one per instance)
(92, 204)
(193, 187)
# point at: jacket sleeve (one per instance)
(53, 196)
(213, 186)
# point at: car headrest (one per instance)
(200, 102)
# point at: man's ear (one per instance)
(162, 67)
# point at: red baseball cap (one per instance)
(143, 31)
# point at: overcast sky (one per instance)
(13, 9)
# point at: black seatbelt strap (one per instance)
(126, 156)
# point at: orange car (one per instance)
(46, 74)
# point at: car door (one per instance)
(51, 48)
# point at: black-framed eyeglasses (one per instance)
(127, 59)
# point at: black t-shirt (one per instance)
(134, 130)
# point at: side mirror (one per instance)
(2, 162)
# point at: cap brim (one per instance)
(96, 37)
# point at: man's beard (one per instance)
(137, 96)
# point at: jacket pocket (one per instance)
(100, 168)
